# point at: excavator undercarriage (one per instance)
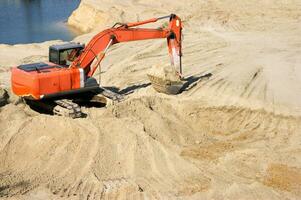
(70, 105)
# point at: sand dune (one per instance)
(233, 135)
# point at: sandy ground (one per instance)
(234, 135)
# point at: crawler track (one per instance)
(71, 106)
(67, 108)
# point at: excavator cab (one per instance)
(65, 54)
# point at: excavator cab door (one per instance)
(65, 54)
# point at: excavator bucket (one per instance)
(165, 80)
(165, 86)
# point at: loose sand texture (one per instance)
(235, 134)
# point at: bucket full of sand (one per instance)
(165, 79)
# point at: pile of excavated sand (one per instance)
(166, 72)
(165, 79)
(234, 135)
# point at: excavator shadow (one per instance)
(129, 89)
(193, 80)
(188, 83)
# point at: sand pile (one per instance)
(146, 147)
(166, 72)
(234, 135)
(165, 79)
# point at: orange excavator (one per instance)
(71, 66)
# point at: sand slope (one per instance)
(234, 135)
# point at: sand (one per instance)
(235, 134)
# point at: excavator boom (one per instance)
(124, 33)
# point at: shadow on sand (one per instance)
(189, 83)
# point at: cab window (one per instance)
(68, 56)
(53, 56)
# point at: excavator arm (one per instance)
(100, 43)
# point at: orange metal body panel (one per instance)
(37, 84)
